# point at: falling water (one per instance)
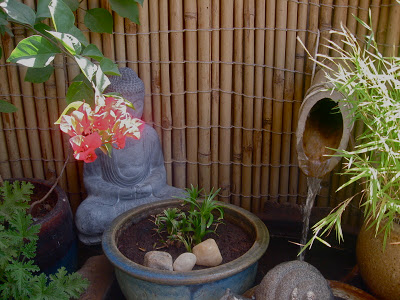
(314, 184)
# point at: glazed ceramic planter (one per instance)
(139, 282)
(57, 244)
(380, 269)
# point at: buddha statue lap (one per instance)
(131, 177)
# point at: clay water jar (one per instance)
(57, 243)
(139, 282)
(380, 268)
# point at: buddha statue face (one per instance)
(131, 87)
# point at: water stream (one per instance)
(314, 185)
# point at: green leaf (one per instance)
(43, 11)
(69, 42)
(62, 16)
(126, 8)
(99, 20)
(19, 12)
(79, 91)
(7, 107)
(71, 106)
(3, 18)
(39, 75)
(43, 28)
(93, 52)
(76, 32)
(72, 4)
(88, 68)
(109, 67)
(101, 80)
(34, 51)
(140, 2)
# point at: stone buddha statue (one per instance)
(131, 177)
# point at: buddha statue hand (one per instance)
(139, 191)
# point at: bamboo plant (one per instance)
(371, 85)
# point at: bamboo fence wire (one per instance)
(224, 82)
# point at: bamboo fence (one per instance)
(224, 82)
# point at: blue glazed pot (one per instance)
(139, 282)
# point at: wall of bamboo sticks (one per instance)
(224, 83)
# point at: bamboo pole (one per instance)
(95, 38)
(178, 98)
(248, 103)
(288, 105)
(277, 106)
(192, 118)
(155, 65)
(204, 56)
(144, 58)
(131, 44)
(107, 39)
(311, 41)
(215, 80)
(375, 12)
(80, 17)
(258, 103)
(363, 15)
(382, 25)
(237, 104)
(166, 111)
(119, 39)
(30, 117)
(267, 107)
(325, 26)
(5, 169)
(226, 100)
(13, 137)
(393, 31)
(351, 14)
(300, 55)
(339, 19)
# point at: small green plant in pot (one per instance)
(190, 227)
(19, 276)
(371, 84)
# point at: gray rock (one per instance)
(207, 253)
(131, 177)
(184, 262)
(294, 280)
(158, 260)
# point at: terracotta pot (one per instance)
(380, 269)
(140, 282)
(57, 244)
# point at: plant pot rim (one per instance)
(61, 197)
(184, 278)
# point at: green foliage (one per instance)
(191, 227)
(7, 107)
(371, 84)
(63, 37)
(19, 277)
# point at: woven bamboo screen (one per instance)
(224, 83)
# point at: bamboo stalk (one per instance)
(375, 9)
(119, 39)
(215, 80)
(192, 118)
(155, 65)
(351, 14)
(30, 117)
(311, 42)
(382, 25)
(95, 38)
(144, 57)
(325, 26)
(258, 103)
(131, 44)
(226, 100)
(237, 104)
(204, 56)
(393, 31)
(5, 168)
(108, 39)
(363, 15)
(80, 17)
(298, 95)
(277, 106)
(9, 123)
(339, 19)
(178, 99)
(165, 89)
(248, 103)
(288, 95)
